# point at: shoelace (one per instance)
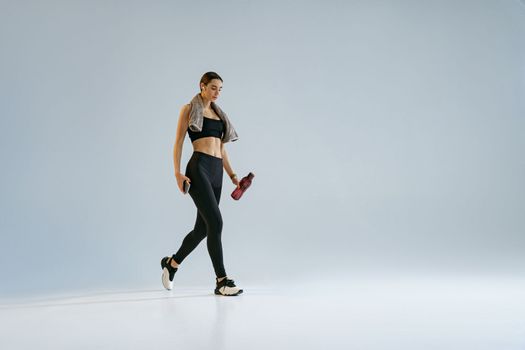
(226, 283)
(230, 283)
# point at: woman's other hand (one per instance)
(180, 181)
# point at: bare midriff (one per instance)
(209, 145)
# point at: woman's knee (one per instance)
(215, 225)
(218, 225)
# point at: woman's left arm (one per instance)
(228, 167)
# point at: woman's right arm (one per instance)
(182, 126)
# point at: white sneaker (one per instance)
(227, 287)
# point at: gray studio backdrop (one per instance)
(387, 137)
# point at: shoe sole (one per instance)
(228, 295)
(166, 279)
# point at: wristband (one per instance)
(232, 176)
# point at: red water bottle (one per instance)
(243, 186)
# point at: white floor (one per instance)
(364, 314)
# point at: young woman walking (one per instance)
(209, 129)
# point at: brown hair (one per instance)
(207, 77)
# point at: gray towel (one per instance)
(197, 115)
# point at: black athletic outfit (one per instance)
(205, 172)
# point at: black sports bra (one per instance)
(210, 127)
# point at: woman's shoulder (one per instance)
(185, 109)
(185, 112)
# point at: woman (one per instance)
(208, 128)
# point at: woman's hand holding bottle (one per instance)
(235, 180)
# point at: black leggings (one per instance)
(205, 172)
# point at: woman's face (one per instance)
(212, 90)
